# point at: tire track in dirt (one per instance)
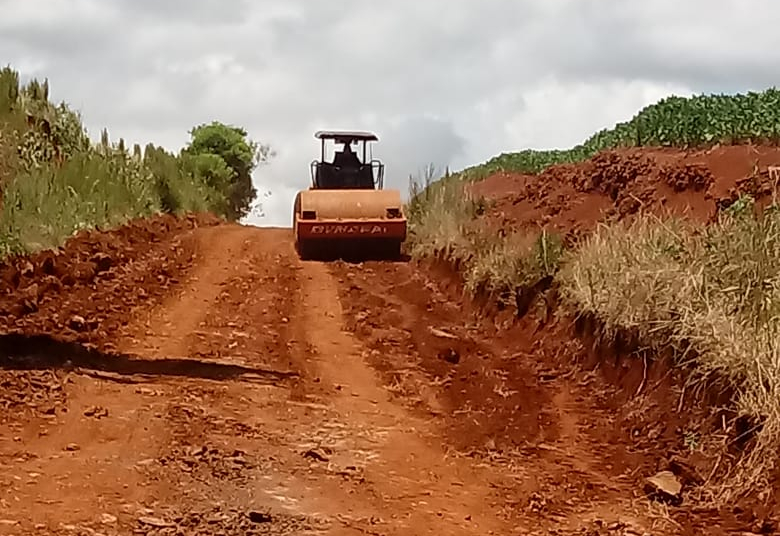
(227, 456)
(412, 483)
(169, 328)
(75, 464)
(126, 461)
(513, 412)
(334, 447)
(324, 450)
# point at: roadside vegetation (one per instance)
(55, 180)
(710, 293)
(495, 263)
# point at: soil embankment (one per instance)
(615, 185)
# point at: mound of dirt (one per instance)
(615, 185)
(85, 290)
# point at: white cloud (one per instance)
(443, 82)
(557, 115)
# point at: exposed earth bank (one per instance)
(618, 184)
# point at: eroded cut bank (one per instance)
(489, 255)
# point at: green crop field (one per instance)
(671, 122)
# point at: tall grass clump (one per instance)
(502, 266)
(439, 216)
(55, 181)
(43, 206)
(712, 294)
(444, 224)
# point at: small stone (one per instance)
(27, 269)
(108, 519)
(154, 522)
(77, 323)
(315, 455)
(664, 486)
(96, 411)
(72, 447)
(260, 517)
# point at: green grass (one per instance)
(55, 181)
(44, 206)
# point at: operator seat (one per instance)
(346, 158)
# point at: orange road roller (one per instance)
(346, 212)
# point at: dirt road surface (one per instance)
(259, 394)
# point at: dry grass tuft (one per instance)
(710, 293)
(444, 224)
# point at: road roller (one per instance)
(346, 212)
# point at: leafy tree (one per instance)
(241, 155)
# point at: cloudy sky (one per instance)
(443, 82)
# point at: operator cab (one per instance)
(347, 170)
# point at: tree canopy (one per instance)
(237, 152)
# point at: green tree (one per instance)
(239, 153)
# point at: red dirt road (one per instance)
(274, 412)
(206, 381)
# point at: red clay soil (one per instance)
(87, 292)
(578, 431)
(88, 289)
(614, 185)
(237, 403)
(250, 392)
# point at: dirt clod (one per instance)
(316, 454)
(96, 411)
(260, 517)
(664, 486)
(154, 522)
(77, 323)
